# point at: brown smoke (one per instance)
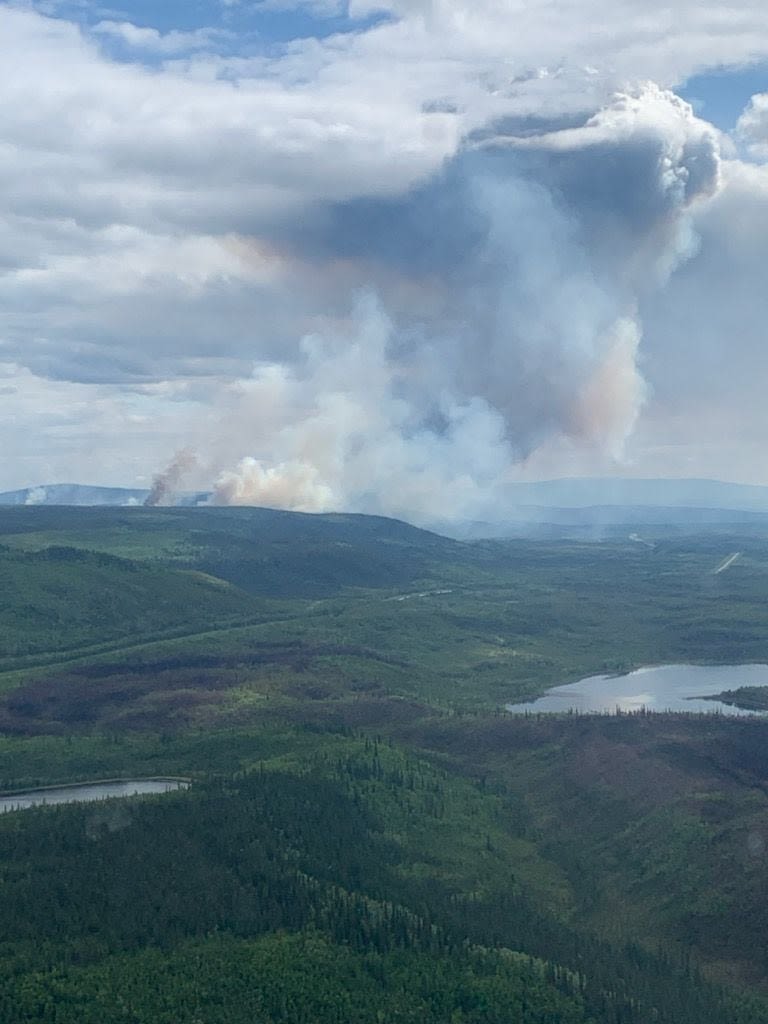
(606, 410)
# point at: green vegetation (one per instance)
(292, 979)
(263, 551)
(229, 886)
(365, 602)
(754, 698)
(367, 837)
(64, 600)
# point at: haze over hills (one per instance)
(73, 494)
(582, 492)
(579, 507)
(595, 522)
(82, 494)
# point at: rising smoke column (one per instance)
(346, 428)
(36, 496)
(166, 484)
(527, 262)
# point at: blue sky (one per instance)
(721, 95)
(256, 24)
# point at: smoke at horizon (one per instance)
(498, 312)
(165, 485)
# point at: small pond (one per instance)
(86, 792)
(658, 688)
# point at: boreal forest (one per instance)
(358, 831)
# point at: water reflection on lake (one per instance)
(86, 792)
(659, 688)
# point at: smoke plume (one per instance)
(353, 428)
(166, 484)
(36, 496)
(502, 312)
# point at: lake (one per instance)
(86, 792)
(658, 688)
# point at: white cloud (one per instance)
(62, 431)
(187, 220)
(752, 127)
(150, 40)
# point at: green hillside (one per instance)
(348, 883)
(63, 599)
(262, 550)
(368, 837)
(367, 605)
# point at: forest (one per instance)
(367, 835)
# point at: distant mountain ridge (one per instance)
(73, 494)
(85, 494)
(594, 522)
(586, 492)
(577, 501)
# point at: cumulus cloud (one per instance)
(534, 224)
(752, 127)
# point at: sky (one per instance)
(386, 256)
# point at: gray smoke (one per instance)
(165, 485)
(501, 314)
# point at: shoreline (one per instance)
(182, 780)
